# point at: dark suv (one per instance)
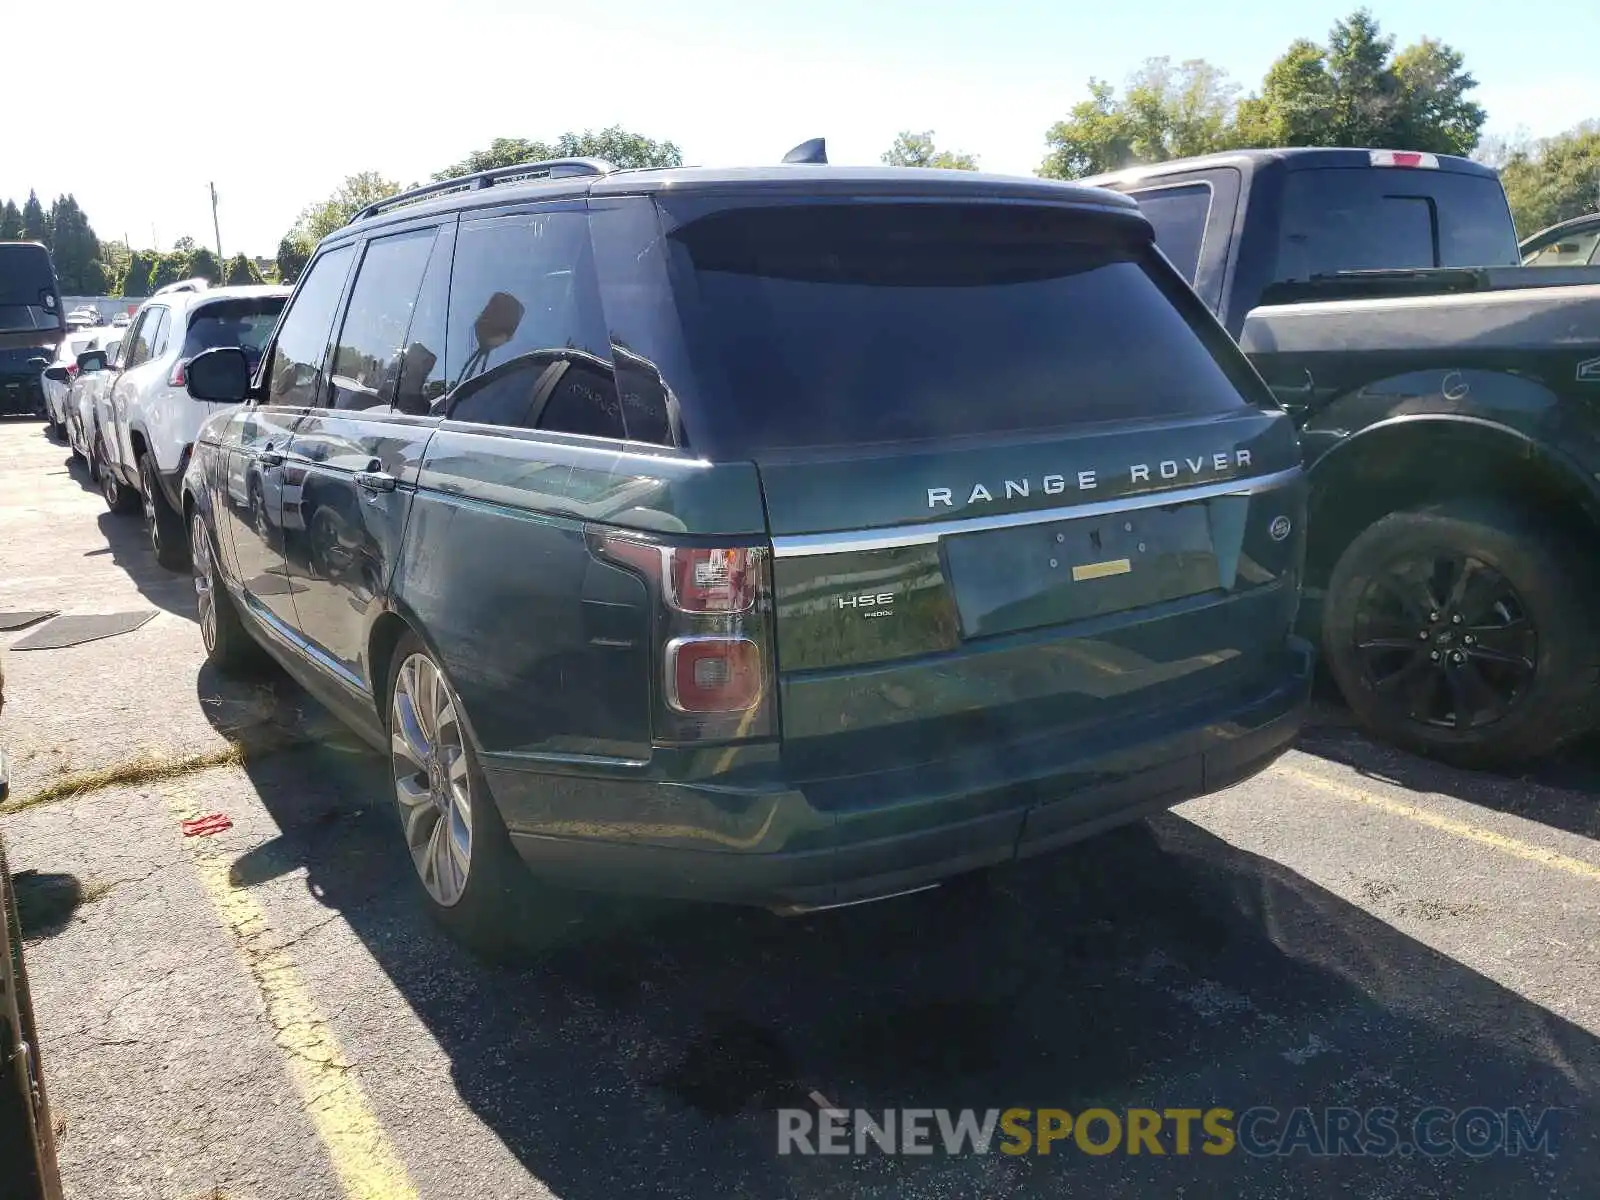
(791, 536)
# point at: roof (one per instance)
(1292, 157)
(798, 179)
(1571, 225)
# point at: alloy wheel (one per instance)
(432, 778)
(204, 581)
(108, 482)
(1446, 641)
(147, 500)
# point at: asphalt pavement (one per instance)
(270, 1013)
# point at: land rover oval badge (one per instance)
(1279, 529)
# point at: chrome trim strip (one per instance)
(275, 626)
(811, 544)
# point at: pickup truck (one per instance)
(1448, 402)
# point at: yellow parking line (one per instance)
(360, 1151)
(1475, 833)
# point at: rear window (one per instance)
(28, 297)
(827, 324)
(243, 323)
(1385, 218)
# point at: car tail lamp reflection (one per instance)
(711, 635)
(713, 674)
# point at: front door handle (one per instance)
(270, 458)
(376, 481)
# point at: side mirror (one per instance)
(219, 376)
(58, 374)
(92, 360)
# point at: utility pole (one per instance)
(216, 229)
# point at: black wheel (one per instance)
(475, 883)
(161, 520)
(229, 645)
(1462, 632)
(120, 498)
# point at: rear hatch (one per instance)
(30, 302)
(242, 321)
(1017, 480)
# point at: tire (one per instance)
(484, 895)
(1506, 639)
(164, 524)
(229, 646)
(119, 497)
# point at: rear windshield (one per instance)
(243, 323)
(28, 297)
(1387, 218)
(827, 324)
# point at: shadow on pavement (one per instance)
(130, 550)
(1154, 967)
(46, 901)
(1562, 791)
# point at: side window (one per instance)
(1179, 215)
(371, 346)
(524, 325)
(295, 377)
(139, 337)
(158, 336)
(422, 378)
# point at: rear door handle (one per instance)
(376, 481)
(270, 458)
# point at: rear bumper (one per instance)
(21, 395)
(797, 845)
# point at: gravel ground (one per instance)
(269, 1012)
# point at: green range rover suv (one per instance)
(790, 536)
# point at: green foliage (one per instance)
(75, 249)
(136, 280)
(10, 222)
(33, 221)
(1555, 179)
(1165, 112)
(1355, 91)
(203, 265)
(318, 220)
(184, 245)
(241, 272)
(169, 268)
(917, 150)
(294, 251)
(615, 145)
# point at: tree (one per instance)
(318, 220)
(169, 268)
(1165, 112)
(1554, 179)
(184, 245)
(615, 145)
(203, 265)
(33, 221)
(917, 150)
(294, 251)
(10, 222)
(241, 272)
(1357, 91)
(136, 281)
(75, 249)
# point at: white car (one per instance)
(55, 391)
(122, 320)
(89, 388)
(149, 426)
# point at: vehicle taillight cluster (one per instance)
(712, 627)
(176, 378)
(72, 370)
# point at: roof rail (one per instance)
(550, 168)
(198, 284)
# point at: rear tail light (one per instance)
(1403, 158)
(176, 378)
(711, 636)
(72, 370)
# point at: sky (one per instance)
(276, 103)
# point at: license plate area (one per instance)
(1032, 576)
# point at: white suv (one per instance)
(143, 445)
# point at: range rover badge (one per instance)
(1279, 529)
